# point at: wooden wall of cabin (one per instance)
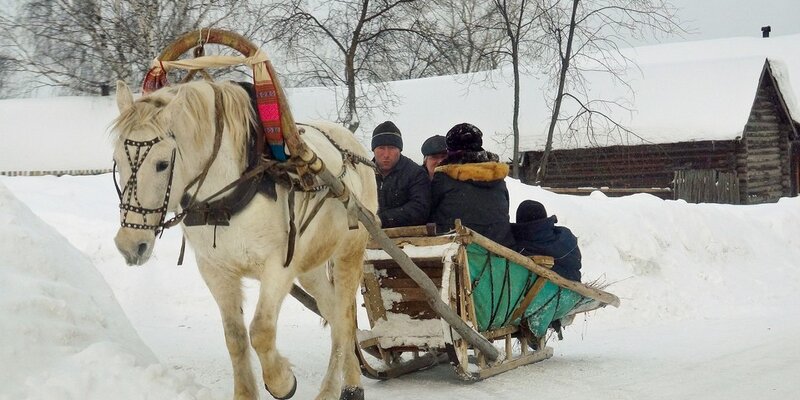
(764, 164)
(642, 166)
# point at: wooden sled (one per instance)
(405, 334)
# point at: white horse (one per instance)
(164, 141)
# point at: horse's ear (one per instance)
(124, 96)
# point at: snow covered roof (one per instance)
(778, 71)
(694, 90)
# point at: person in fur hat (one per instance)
(536, 234)
(403, 186)
(469, 184)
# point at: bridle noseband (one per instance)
(136, 152)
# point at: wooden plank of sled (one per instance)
(424, 361)
(305, 299)
(406, 283)
(371, 342)
(413, 294)
(467, 235)
(406, 231)
(372, 296)
(414, 241)
(431, 265)
(500, 332)
(467, 309)
(545, 261)
(414, 309)
(532, 293)
(507, 365)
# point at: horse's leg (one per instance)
(228, 294)
(319, 286)
(343, 365)
(277, 372)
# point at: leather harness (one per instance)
(261, 176)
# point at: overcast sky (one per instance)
(712, 19)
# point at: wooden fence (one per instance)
(59, 172)
(707, 186)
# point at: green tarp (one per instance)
(498, 286)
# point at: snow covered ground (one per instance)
(709, 307)
(709, 292)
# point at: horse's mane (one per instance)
(190, 107)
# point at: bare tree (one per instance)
(587, 35)
(346, 43)
(85, 45)
(516, 19)
(451, 37)
(461, 34)
(413, 57)
(6, 64)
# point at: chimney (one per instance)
(765, 31)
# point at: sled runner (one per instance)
(510, 299)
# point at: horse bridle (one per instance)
(130, 191)
(131, 186)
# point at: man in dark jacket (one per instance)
(469, 184)
(403, 186)
(536, 234)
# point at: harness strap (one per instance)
(314, 212)
(347, 155)
(183, 250)
(292, 231)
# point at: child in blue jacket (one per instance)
(536, 234)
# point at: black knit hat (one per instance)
(387, 134)
(529, 211)
(464, 137)
(434, 145)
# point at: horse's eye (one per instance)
(162, 165)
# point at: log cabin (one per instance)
(758, 164)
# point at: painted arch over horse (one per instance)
(190, 141)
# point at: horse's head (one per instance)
(164, 142)
(145, 152)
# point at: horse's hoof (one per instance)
(288, 395)
(352, 393)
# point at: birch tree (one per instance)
(83, 46)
